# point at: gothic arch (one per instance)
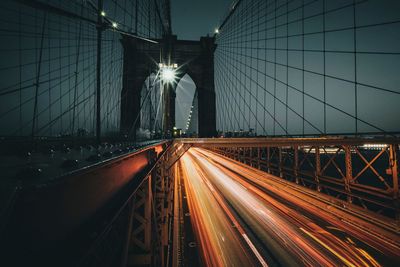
(196, 58)
(186, 98)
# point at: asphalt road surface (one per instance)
(243, 218)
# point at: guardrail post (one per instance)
(317, 167)
(296, 164)
(140, 249)
(246, 155)
(268, 159)
(251, 158)
(170, 213)
(280, 163)
(349, 172)
(258, 158)
(166, 212)
(394, 168)
(159, 206)
(395, 177)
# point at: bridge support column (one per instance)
(280, 162)
(140, 247)
(317, 168)
(393, 166)
(207, 113)
(159, 212)
(163, 181)
(349, 173)
(150, 220)
(137, 66)
(169, 109)
(296, 164)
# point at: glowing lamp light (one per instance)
(168, 74)
(216, 31)
(103, 13)
(115, 25)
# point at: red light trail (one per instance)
(242, 218)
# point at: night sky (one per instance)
(192, 19)
(268, 96)
(277, 70)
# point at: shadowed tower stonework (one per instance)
(195, 58)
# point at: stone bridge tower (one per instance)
(195, 58)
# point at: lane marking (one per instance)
(255, 251)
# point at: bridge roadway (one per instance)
(245, 217)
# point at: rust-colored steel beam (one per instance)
(140, 249)
(317, 173)
(279, 142)
(349, 172)
(66, 212)
(343, 168)
(115, 213)
(296, 164)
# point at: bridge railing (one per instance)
(57, 220)
(360, 173)
(138, 232)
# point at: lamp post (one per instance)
(168, 79)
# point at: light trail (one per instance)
(276, 228)
(218, 239)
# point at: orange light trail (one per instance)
(219, 189)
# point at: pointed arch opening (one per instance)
(150, 117)
(186, 115)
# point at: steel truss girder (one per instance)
(332, 169)
(152, 211)
(140, 233)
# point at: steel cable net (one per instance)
(151, 108)
(48, 53)
(308, 67)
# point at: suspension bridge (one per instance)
(271, 141)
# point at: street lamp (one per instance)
(168, 75)
(168, 72)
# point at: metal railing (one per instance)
(358, 172)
